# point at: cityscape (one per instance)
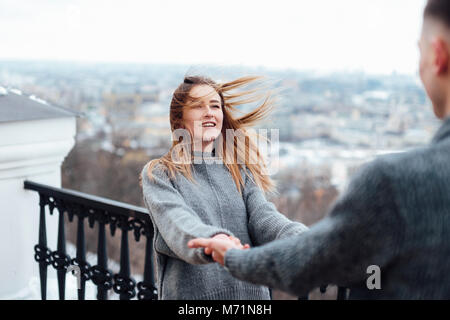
(336, 119)
(328, 126)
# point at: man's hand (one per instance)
(217, 236)
(225, 237)
(218, 246)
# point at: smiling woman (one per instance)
(204, 117)
(206, 110)
(224, 200)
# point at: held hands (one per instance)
(217, 246)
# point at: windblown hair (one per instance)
(438, 9)
(244, 156)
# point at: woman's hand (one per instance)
(225, 237)
(217, 246)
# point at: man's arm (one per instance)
(364, 228)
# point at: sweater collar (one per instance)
(204, 153)
(443, 132)
(200, 156)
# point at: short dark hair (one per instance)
(438, 9)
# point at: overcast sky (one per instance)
(375, 36)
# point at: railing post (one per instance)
(60, 260)
(146, 288)
(100, 274)
(123, 284)
(42, 254)
(80, 259)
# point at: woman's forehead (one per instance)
(204, 92)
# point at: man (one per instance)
(395, 214)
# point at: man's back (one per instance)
(420, 184)
(395, 214)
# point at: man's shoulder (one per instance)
(417, 157)
(398, 165)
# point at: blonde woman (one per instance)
(208, 187)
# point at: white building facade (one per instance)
(35, 138)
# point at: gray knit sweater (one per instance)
(395, 214)
(181, 210)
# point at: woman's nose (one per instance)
(208, 112)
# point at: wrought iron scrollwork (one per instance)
(42, 254)
(60, 260)
(147, 291)
(101, 216)
(70, 215)
(139, 228)
(85, 268)
(102, 277)
(124, 224)
(113, 220)
(124, 286)
(51, 204)
(91, 217)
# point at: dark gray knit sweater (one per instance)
(395, 214)
(181, 210)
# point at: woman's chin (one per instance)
(209, 137)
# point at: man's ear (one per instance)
(441, 56)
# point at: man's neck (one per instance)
(446, 112)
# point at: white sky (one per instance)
(375, 36)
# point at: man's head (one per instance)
(434, 45)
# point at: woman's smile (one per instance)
(204, 120)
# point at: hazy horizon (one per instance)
(324, 36)
(205, 68)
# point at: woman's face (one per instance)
(204, 119)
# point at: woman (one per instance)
(207, 186)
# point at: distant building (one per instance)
(127, 103)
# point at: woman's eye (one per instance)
(216, 107)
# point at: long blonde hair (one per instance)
(240, 155)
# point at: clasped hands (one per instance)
(217, 246)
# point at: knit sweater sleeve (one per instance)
(364, 228)
(265, 223)
(174, 220)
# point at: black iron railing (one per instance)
(105, 212)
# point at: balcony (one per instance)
(35, 138)
(106, 213)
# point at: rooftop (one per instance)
(16, 106)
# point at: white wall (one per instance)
(29, 150)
